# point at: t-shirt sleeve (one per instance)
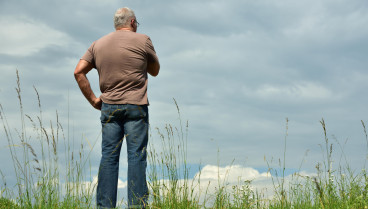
(89, 55)
(150, 50)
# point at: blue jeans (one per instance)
(118, 121)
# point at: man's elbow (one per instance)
(155, 73)
(154, 69)
(81, 70)
(76, 75)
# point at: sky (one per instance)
(245, 74)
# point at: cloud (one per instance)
(24, 36)
(231, 179)
(122, 184)
(237, 69)
(327, 25)
(233, 173)
(213, 177)
(307, 92)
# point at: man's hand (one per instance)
(97, 103)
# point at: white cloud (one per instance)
(232, 179)
(213, 177)
(294, 92)
(90, 186)
(231, 82)
(232, 173)
(23, 36)
(321, 24)
(122, 184)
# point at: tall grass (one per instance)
(45, 179)
(37, 171)
(169, 175)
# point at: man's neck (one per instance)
(125, 29)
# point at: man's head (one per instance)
(125, 18)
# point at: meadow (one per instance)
(45, 179)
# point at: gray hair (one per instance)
(122, 17)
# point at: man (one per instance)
(122, 58)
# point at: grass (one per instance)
(45, 179)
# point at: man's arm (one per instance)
(153, 68)
(153, 65)
(80, 74)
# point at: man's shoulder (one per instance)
(142, 35)
(107, 36)
(116, 34)
(139, 37)
(126, 37)
(103, 39)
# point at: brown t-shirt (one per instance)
(121, 59)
